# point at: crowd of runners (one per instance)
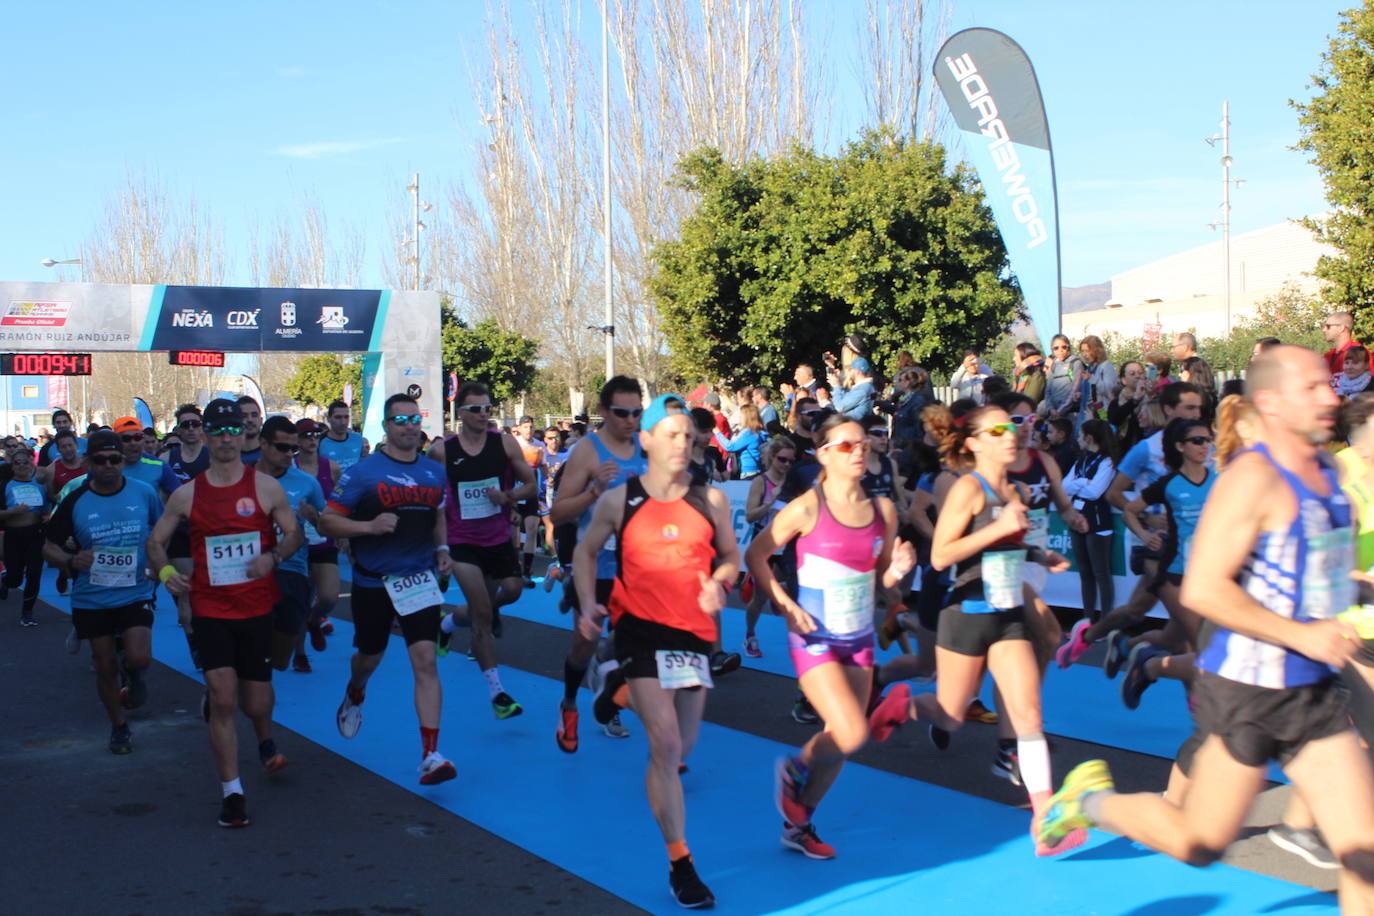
(878, 517)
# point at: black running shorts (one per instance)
(288, 614)
(93, 623)
(637, 643)
(497, 561)
(323, 553)
(373, 613)
(241, 643)
(972, 634)
(1260, 724)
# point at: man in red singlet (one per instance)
(234, 549)
(677, 558)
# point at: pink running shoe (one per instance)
(891, 712)
(1073, 650)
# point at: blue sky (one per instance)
(249, 105)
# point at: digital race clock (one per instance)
(45, 364)
(214, 359)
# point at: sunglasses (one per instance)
(286, 447)
(190, 424)
(477, 408)
(846, 446)
(406, 419)
(105, 461)
(1198, 440)
(1017, 421)
(137, 437)
(311, 435)
(628, 413)
(998, 430)
(778, 459)
(879, 431)
(224, 430)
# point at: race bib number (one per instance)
(472, 499)
(1038, 534)
(1327, 589)
(228, 556)
(1002, 578)
(849, 604)
(114, 567)
(29, 495)
(413, 593)
(677, 670)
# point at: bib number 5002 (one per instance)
(414, 592)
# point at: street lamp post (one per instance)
(57, 262)
(609, 328)
(416, 226)
(1226, 181)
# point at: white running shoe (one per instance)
(435, 768)
(350, 717)
(614, 729)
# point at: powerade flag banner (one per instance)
(990, 87)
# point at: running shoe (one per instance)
(1065, 812)
(121, 740)
(804, 713)
(135, 693)
(1073, 650)
(977, 712)
(551, 576)
(566, 736)
(301, 664)
(317, 640)
(604, 707)
(528, 582)
(682, 768)
(751, 647)
(804, 840)
(349, 717)
(272, 762)
(723, 663)
(73, 643)
(26, 621)
(939, 737)
(435, 768)
(613, 728)
(1118, 649)
(890, 713)
(891, 627)
(441, 643)
(505, 707)
(1134, 681)
(326, 626)
(1307, 844)
(233, 811)
(688, 889)
(1362, 619)
(1006, 766)
(789, 781)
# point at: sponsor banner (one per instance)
(58, 392)
(71, 316)
(991, 89)
(253, 320)
(31, 313)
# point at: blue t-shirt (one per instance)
(49, 453)
(115, 528)
(346, 453)
(300, 488)
(413, 490)
(1183, 501)
(1144, 463)
(155, 472)
(29, 493)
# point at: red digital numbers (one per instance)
(45, 364)
(210, 358)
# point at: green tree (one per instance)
(320, 378)
(1335, 131)
(783, 257)
(502, 360)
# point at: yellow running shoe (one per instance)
(1065, 814)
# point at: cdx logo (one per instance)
(243, 319)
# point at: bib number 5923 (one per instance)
(678, 669)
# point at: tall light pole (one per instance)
(609, 328)
(58, 262)
(1226, 181)
(416, 227)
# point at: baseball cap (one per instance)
(661, 408)
(222, 412)
(307, 425)
(127, 425)
(103, 440)
(860, 364)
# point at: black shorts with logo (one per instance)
(93, 623)
(497, 561)
(1260, 724)
(973, 634)
(638, 642)
(373, 613)
(241, 643)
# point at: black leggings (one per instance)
(1093, 552)
(24, 562)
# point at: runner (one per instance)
(676, 558)
(187, 461)
(341, 445)
(551, 459)
(98, 537)
(252, 429)
(527, 509)
(138, 465)
(602, 461)
(279, 447)
(231, 511)
(980, 533)
(61, 420)
(390, 506)
(69, 466)
(323, 553)
(486, 475)
(1270, 576)
(846, 551)
(26, 505)
(760, 508)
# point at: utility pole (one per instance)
(1226, 181)
(609, 329)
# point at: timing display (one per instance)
(45, 364)
(214, 359)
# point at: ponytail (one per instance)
(953, 432)
(1235, 428)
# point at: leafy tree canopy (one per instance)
(320, 379)
(501, 360)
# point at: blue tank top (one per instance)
(629, 467)
(346, 453)
(1300, 572)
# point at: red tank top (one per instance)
(62, 475)
(661, 548)
(228, 529)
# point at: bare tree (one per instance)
(308, 255)
(899, 43)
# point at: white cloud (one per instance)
(332, 147)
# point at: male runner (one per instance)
(252, 429)
(97, 537)
(527, 510)
(187, 461)
(601, 461)
(341, 445)
(1269, 575)
(303, 492)
(60, 420)
(676, 561)
(390, 506)
(138, 465)
(231, 510)
(487, 474)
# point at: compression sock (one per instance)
(493, 677)
(572, 680)
(1033, 756)
(232, 787)
(429, 741)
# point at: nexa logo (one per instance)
(242, 319)
(975, 90)
(192, 318)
